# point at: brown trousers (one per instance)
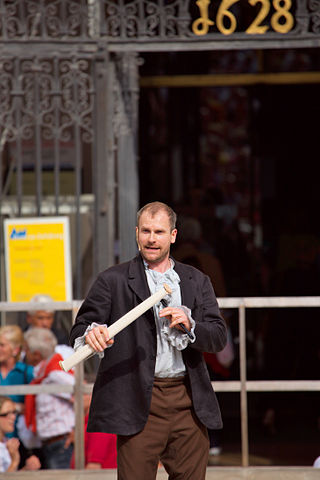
(172, 434)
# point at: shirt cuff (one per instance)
(175, 337)
(80, 341)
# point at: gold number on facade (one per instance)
(202, 24)
(282, 20)
(223, 12)
(282, 8)
(256, 26)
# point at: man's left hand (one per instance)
(176, 315)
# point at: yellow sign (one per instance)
(37, 253)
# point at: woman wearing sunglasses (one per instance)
(9, 447)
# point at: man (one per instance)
(152, 388)
(44, 318)
(51, 416)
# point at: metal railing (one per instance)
(243, 386)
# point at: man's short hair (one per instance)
(41, 298)
(154, 207)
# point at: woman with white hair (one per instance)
(50, 415)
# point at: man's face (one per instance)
(154, 237)
(41, 319)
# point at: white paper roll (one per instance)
(86, 351)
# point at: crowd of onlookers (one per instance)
(37, 430)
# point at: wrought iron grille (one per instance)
(42, 19)
(47, 115)
(159, 24)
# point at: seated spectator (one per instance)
(15, 372)
(12, 371)
(50, 415)
(43, 318)
(9, 448)
(100, 449)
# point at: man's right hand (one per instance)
(98, 338)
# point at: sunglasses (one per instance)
(12, 412)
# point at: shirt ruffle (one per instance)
(80, 341)
(176, 338)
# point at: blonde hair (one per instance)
(3, 400)
(14, 335)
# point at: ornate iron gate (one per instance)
(68, 116)
(49, 132)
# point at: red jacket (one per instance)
(99, 448)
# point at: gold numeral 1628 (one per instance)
(282, 20)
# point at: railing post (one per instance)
(79, 419)
(243, 391)
(79, 411)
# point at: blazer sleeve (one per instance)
(95, 308)
(210, 329)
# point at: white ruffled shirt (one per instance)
(170, 341)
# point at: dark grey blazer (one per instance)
(123, 387)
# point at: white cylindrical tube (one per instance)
(86, 351)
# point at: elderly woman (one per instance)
(12, 371)
(50, 415)
(9, 448)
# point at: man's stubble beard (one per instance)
(153, 260)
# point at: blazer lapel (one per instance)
(186, 285)
(137, 280)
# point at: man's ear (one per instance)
(137, 231)
(29, 319)
(173, 235)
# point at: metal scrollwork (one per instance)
(314, 6)
(35, 19)
(146, 18)
(77, 95)
(119, 21)
(53, 94)
(7, 127)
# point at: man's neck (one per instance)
(161, 267)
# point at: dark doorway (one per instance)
(242, 159)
